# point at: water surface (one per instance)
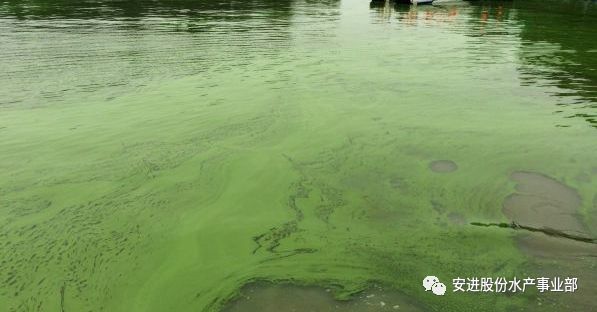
(160, 155)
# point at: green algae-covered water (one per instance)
(203, 155)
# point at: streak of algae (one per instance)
(169, 200)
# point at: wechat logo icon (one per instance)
(432, 283)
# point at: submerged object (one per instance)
(421, 1)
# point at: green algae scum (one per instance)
(296, 155)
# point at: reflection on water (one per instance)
(553, 41)
(57, 48)
(114, 9)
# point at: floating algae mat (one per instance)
(164, 156)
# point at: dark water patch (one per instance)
(543, 203)
(443, 166)
(555, 247)
(555, 256)
(267, 297)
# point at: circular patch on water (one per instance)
(443, 166)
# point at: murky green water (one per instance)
(157, 156)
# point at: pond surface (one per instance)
(163, 155)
